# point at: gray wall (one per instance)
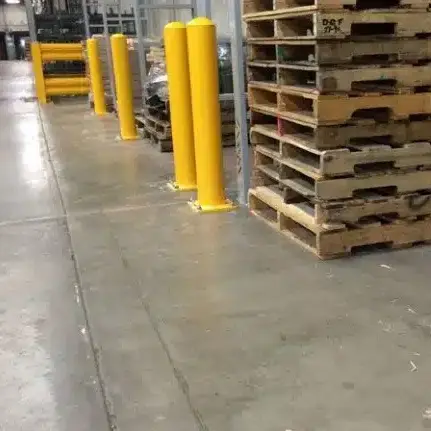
(13, 18)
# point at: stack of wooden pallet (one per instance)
(154, 119)
(155, 125)
(340, 94)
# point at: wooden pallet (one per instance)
(163, 145)
(327, 52)
(324, 138)
(271, 170)
(333, 214)
(302, 105)
(162, 127)
(308, 23)
(396, 79)
(271, 7)
(320, 52)
(333, 241)
(356, 159)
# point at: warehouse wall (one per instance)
(13, 18)
(160, 18)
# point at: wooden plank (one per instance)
(312, 52)
(332, 243)
(311, 24)
(333, 110)
(385, 80)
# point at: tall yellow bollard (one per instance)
(180, 102)
(202, 49)
(123, 86)
(36, 56)
(96, 78)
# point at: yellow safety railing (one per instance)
(58, 85)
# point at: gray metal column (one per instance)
(86, 19)
(31, 21)
(140, 38)
(109, 52)
(242, 150)
(203, 8)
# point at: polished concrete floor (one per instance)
(122, 310)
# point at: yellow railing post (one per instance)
(96, 78)
(123, 86)
(36, 56)
(202, 49)
(180, 103)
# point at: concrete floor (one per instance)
(122, 310)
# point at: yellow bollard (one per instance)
(123, 86)
(96, 78)
(36, 56)
(202, 47)
(177, 64)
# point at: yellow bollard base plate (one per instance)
(177, 188)
(129, 138)
(226, 207)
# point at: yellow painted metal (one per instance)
(67, 86)
(36, 56)
(96, 77)
(180, 103)
(62, 52)
(123, 86)
(202, 50)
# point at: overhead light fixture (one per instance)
(13, 1)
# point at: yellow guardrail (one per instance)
(57, 86)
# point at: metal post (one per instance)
(123, 82)
(109, 51)
(96, 77)
(140, 36)
(202, 51)
(31, 21)
(180, 102)
(203, 8)
(242, 150)
(39, 79)
(86, 19)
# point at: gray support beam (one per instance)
(86, 19)
(203, 8)
(242, 149)
(31, 21)
(109, 52)
(140, 38)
